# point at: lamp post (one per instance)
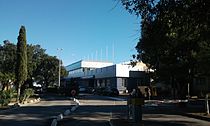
(188, 86)
(59, 67)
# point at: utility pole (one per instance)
(59, 67)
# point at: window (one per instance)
(124, 82)
(108, 82)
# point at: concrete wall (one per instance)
(94, 64)
(122, 70)
(102, 70)
(87, 64)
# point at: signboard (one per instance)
(73, 92)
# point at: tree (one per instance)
(7, 64)
(6, 79)
(48, 70)
(64, 72)
(34, 55)
(37, 59)
(174, 38)
(8, 57)
(40, 66)
(21, 68)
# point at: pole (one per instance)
(188, 91)
(188, 86)
(59, 73)
(207, 104)
(59, 67)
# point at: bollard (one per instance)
(54, 122)
(73, 108)
(137, 113)
(67, 112)
(59, 117)
(129, 109)
(137, 109)
(136, 100)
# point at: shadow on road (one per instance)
(94, 115)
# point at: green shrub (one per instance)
(6, 96)
(27, 94)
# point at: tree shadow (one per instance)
(99, 115)
(93, 115)
(32, 115)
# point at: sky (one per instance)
(99, 30)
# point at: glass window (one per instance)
(124, 82)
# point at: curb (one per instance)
(37, 100)
(59, 117)
(196, 116)
(18, 105)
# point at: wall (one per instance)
(74, 66)
(94, 64)
(122, 70)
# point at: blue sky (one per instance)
(84, 29)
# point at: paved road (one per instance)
(97, 111)
(93, 111)
(36, 114)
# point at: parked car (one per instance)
(38, 90)
(114, 92)
(90, 90)
(99, 91)
(82, 89)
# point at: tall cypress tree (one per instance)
(21, 66)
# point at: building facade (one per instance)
(121, 76)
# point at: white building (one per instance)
(105, 74)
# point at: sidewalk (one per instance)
(123, 122)
(191, 110)
(194, 111)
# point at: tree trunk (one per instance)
(173, 86)
(3, 87)
(18, 93)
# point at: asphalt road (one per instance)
(36, 114)
(93, 111)
(98, 110)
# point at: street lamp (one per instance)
(59, 67)
(188, 85)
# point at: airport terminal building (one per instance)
(122, 76)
